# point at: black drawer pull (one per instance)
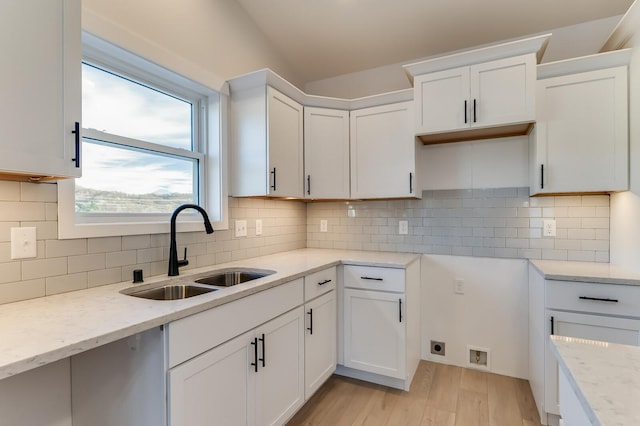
(400, 309)
(255, 353)
(310, 328)
(552, 330)
(598, 299)
(324, 282)
(371, 278)
(76, 131)
(261, 339)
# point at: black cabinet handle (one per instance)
(400, 309)
(371, 278)
(324, 282)
(255, 354)
(598, 299)
(410, 183)
(76, 131)
(261, 339)
(310, 328)
(273, 172)
(552, 331)
(541, 176)
(263, 353)
(465, 112)
(475, 116)
(308, 184)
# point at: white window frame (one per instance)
(212, 156)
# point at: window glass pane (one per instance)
(113, 104)
(118, 179)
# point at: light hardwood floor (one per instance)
(440, 395)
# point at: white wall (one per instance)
(625, 206)
(207, 40)
(492, 313)
(567, 42)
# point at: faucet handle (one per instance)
(184, 261)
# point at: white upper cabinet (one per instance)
(326, 153)
(478, 94)
(581, 141)
(383, 152)
(40, 82)
(490, 94)
(266, 143)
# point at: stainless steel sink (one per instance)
(227, 278)
(172, 292)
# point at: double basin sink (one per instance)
(206, 284)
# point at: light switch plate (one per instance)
(323, 225)
(258, 226)
(23, 243)
(241, 228)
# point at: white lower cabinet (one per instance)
(254, 379)
(381, 324)
(319, 342)
(573, 413)
(374, 332)
(584, 310)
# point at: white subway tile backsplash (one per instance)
(22, 290)
(46, 192)
(104, 245)
(9, 191)
(87, 262)
(12, 211)
(499, 222)
(64, 248)
(42, 268)
(66, 283)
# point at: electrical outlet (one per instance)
(549, 228)
(23, 243)
(403, 227)
(323, 225)
(241, 228)
(258, 226)
(458, 286)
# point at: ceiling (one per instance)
(325, 38)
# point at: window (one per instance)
(151, 141)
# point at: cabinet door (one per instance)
(594, 327)
(40, 82)
(383, 152)
(213, 387)
(442, 100)
(503, 91)
(581, 142)
(285, 132)
(326, 153)
(374, 332)
(279, 383)
(319, 342)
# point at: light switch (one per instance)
(23, 243)
(403, 227)
(323, 225)
(258, 226)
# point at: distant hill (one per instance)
(91, 200)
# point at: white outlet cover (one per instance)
(23, 243)
(549, 228)
(258, 226)
(323, 225)
(403, 227)
(241, 228)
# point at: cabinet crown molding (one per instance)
(536, 44)
(593, 62)
(266, 77)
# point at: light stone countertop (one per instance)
(40, 331)
(603, 273)
(604, 376)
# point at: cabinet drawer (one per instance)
(319, 283)
(193, 335)
(374, 278)
(610, 299)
